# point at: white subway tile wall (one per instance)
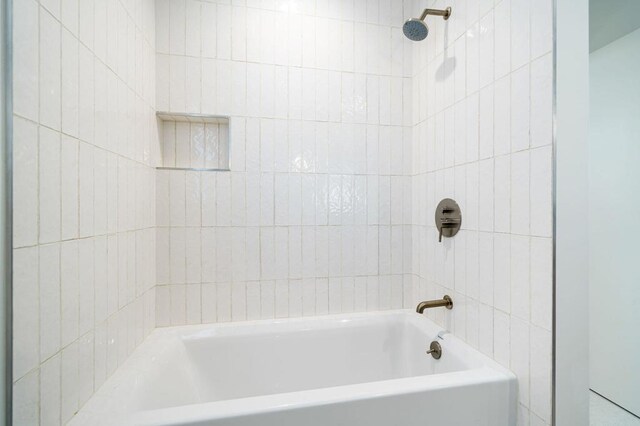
(86, 148)
(482, 117)
(315, 215)
(344, 136)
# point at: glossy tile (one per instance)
(85, 151)
(338, 157)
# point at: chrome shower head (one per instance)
(416, 29)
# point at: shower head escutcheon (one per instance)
(416, 29)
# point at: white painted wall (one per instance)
(614, 204)
(571, 253)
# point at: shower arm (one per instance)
(445, 13)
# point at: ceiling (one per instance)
(611, 19)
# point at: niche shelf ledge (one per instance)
(192, 118)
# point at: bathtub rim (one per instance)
(107, 401)
(264, 404)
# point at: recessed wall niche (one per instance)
(194, 141)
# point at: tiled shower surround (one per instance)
(85, 151)
(343, 137)
(315, 216)
(482, 115)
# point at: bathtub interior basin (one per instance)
(198, 375)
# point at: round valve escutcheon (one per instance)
(448, 218)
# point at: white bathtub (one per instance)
(358, 369)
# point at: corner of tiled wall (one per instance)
(85, 148)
